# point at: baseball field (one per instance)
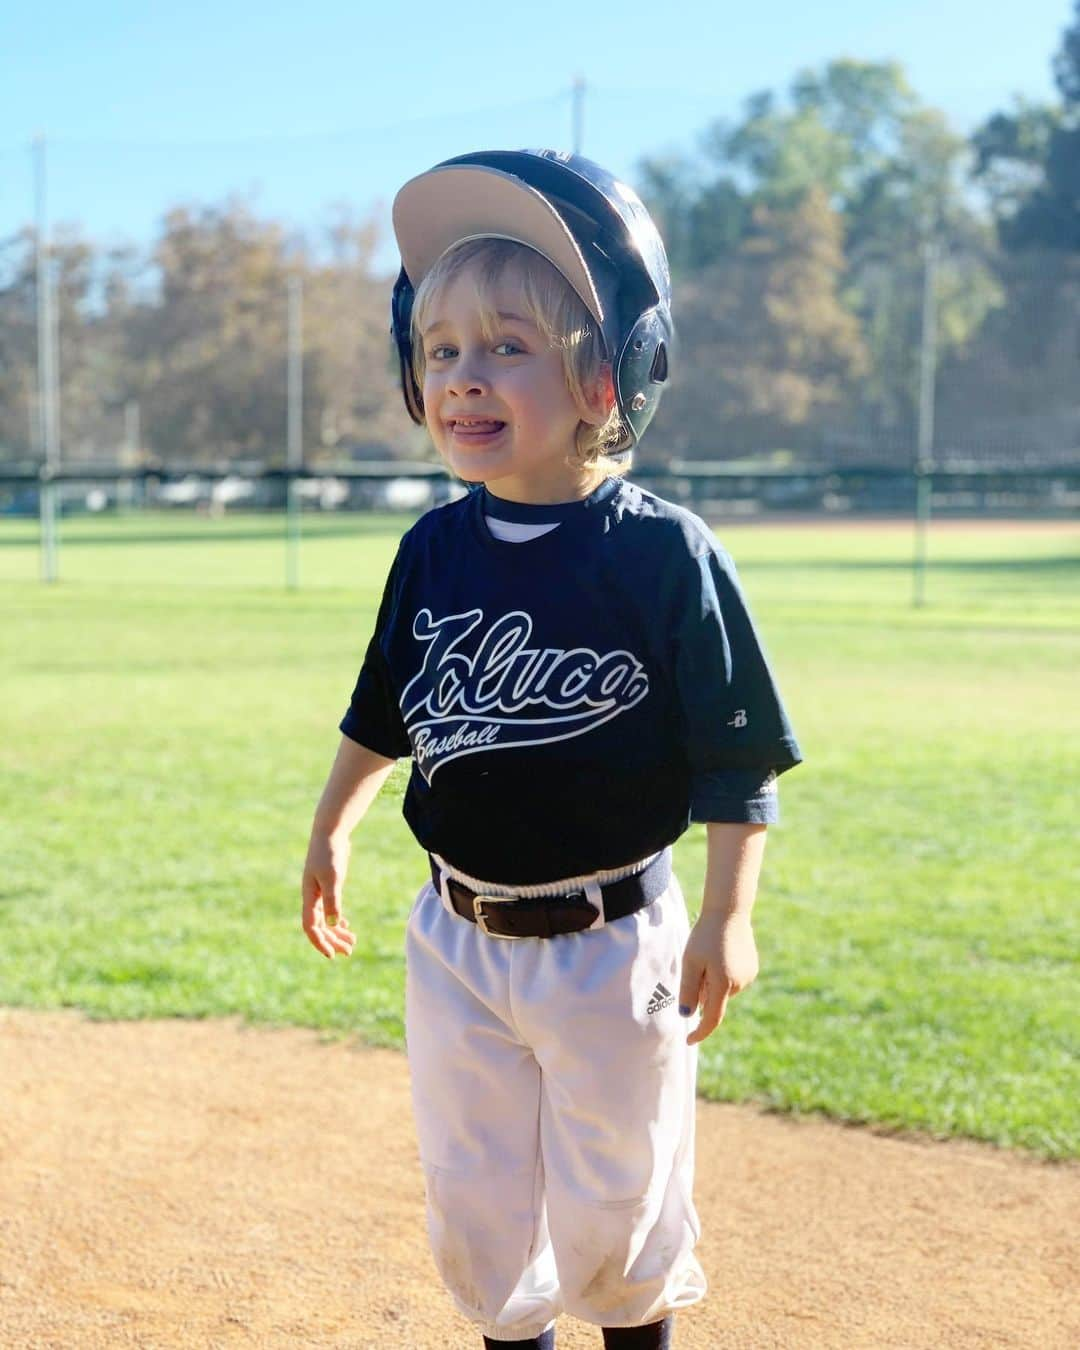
(169, 714)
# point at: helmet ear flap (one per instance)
(401, 304)
(642, 370)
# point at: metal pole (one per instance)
(924, 464)
(130, 455)
(295, 447)
(578, 114)
(48, 419)
(132, 432)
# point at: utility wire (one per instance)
(381, 129)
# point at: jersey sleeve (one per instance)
(735, 796)
(733, 717)
(373, 718)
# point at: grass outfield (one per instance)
(164, 740)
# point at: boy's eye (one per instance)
(443, 351)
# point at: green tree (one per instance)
(892, 170)
(210, 347)
(840, 128)
(208, 350)
(1067, 61)
(86, 358)
(354, 376)
(18, 347)
(1011, 150)
(1029, 159)
(765, 344)
(700, 220)
(194, 331)
(1014, 388)
(915, 200)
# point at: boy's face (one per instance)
(498, 408)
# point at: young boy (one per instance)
(569, 661)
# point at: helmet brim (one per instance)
(448, 205)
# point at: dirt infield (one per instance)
(209, 1184)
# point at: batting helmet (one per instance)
(587, 223)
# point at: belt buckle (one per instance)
(481, 918)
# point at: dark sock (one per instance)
(656, 1336)
(545, 1341)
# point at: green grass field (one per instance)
(170, 712)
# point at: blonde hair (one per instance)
(557, 311)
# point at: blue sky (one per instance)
(327, 102)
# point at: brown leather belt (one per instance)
(552, 915)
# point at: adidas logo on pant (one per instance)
(662, 997)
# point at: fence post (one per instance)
(924, 463)
(295, 450)
(48, 391)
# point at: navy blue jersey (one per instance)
(573, 701)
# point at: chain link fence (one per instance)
(176, 375)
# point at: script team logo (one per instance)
(488, 689)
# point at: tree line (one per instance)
(799, 234)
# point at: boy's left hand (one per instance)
(720, 960)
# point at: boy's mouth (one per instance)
(475, 430)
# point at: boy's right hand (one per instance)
(326, 927)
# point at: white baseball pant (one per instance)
(554, 1098)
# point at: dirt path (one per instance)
(209, 1184)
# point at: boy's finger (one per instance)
(712, 1014)
(320, 941)
(690, 986)
(321, 929)
(341, 940)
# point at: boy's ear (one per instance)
(601, 396)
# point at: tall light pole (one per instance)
(47, 390)
(577, 114)
(125, 493)
(295, 447)
(924, 464)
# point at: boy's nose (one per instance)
(464, 382)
